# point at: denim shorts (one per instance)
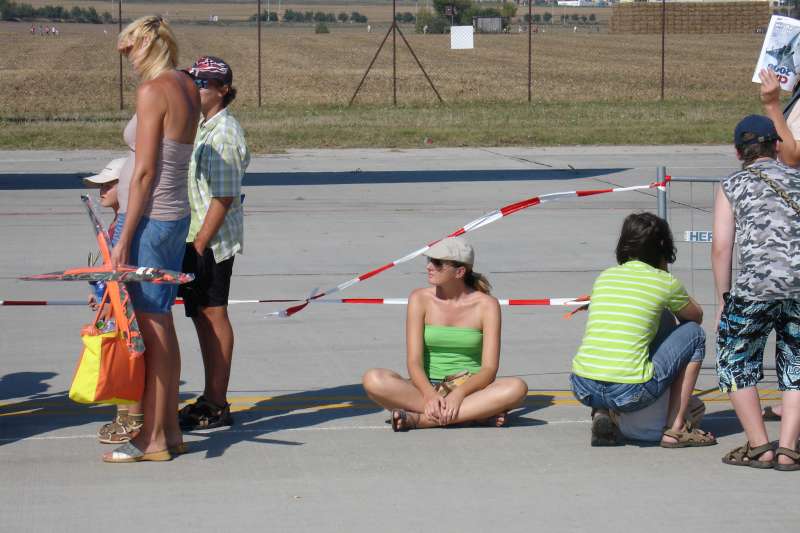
(669, 353)
(159, 244)
(743, 330)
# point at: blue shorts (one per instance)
(743, 330)
(670, 355)
(159, 244)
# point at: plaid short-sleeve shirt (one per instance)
(218, 163)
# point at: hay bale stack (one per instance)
(705, 17)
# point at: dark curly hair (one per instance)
(645, 237)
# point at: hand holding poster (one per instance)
(781, 51)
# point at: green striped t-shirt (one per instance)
(624, 315)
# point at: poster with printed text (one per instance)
(781, 51)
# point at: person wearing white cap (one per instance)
(452, 353)
(128, 420)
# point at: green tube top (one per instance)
(449, 349)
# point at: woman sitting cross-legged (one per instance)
(452, 328)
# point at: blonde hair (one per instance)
(151, 40)
(477, 281)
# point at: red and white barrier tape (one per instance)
(404, 301)
(178, 301)
(379, 301)
(480, 222)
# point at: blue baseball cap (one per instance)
(761, 127)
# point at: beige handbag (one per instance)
(449, 383)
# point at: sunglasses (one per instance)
(439, 263)
(201, 84)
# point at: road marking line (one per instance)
(280, 403)
(383, 427)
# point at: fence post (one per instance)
(661, 173)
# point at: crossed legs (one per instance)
(392, 391)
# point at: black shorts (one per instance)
(211, 284)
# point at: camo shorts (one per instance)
(743, 331)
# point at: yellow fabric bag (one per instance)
(106, 371)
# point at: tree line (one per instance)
(22, 11)
(291, 15)
(459, 12)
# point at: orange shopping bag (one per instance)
(106, 371)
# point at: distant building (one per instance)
(488, 24)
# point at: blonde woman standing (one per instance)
(154, 221)
(452, 328)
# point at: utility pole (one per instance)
(119, 21)
(258, 17)
(530, 48)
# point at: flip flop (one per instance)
(128, 453)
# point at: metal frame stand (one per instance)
(394, 29)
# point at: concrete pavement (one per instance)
(309, 451)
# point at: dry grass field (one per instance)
(378, 11)
(308, 79)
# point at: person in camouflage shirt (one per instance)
(757, 209)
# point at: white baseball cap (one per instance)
(108, 174)
(452, 249)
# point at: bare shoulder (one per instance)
(487, 303)
(487, 300)
(421, 296)
(150, 93)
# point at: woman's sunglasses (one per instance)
(201, 84)
(439, 263)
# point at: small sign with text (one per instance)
(697, 236)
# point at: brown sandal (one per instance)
(401, 421)
(791, 454)
(747, 456)
(689, 438)
(124, 428)
(492, 421)
(769, 414)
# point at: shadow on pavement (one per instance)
(290, 411)
(286, 412)
(41, 412)
(359, 177)
(54, 181)
(20, 384)
(722, 423)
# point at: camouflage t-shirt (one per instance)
(767, 232)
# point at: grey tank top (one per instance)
(170, 197)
